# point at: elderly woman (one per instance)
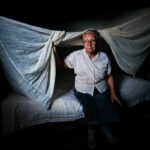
(94, 86)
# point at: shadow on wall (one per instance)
(103, 19)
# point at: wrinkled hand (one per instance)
(114, 98)
(54, 49)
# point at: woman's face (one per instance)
(89, 42)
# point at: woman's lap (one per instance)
(98, 108)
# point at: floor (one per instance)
(133, 134)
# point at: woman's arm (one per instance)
(114, 96)
(59, 63)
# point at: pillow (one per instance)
(132, 90)
(18, 111)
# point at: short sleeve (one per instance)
(69, 60)
(109, 69)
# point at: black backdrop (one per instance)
(55, 14)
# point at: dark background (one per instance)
(60, 15)
(54, 14)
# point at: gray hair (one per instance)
(95, 32)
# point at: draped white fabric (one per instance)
(28, 60)
(130, 43)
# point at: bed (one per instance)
(38, 96)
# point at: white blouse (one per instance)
(89, 73)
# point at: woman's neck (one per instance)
(91, 55)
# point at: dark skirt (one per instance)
(99, 109)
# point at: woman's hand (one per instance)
(114, 98)
(54, 49)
